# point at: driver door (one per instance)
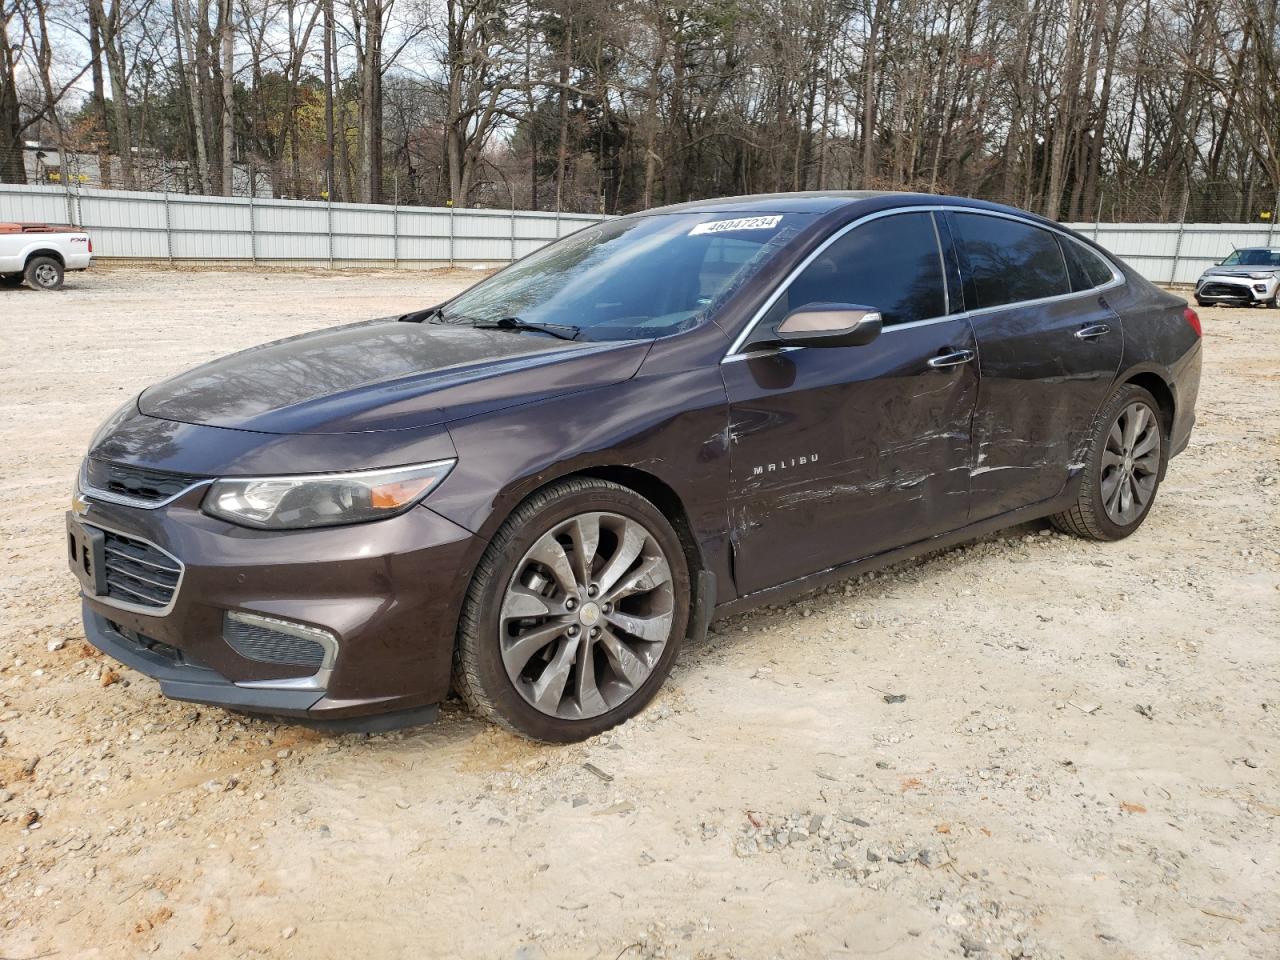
(840, 453)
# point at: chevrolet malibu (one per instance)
(536, 491)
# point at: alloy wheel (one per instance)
(586, 615)
(46, 275)
(1130, 463)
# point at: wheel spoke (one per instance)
(651, 628)
(1148, 464)
(651, 573)
(1112, 500)
(1143, 488)
(521, 603)
(1134, 419)
(517, 653)
(584, 531)
(1115, 438)
(625, 663)
(1109, 483)
(1146, 443)
(630, 543)
(1111, 459)
(585, 690)
(548, 689)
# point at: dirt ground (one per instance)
(1086, 764)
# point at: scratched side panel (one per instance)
(1041, 387)
(841, 453)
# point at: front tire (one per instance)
(576, 612)
(1122, 471)
(44, 273)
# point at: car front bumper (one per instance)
(1213, 289)
(386, 593)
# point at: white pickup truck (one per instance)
(41, 253)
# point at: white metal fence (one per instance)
(180, 227)
(1175, 252)
(130, 225)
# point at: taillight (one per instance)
(91, 251)
(1193, 320)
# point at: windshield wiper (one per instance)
(564, 331)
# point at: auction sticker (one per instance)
(742, 223)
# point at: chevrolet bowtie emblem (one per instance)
(79, 505)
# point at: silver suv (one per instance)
(1248, 276)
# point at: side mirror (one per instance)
(829, 325)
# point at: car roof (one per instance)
(827, 201)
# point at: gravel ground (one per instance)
(1084, 765)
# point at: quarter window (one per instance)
(1089, 263)
(891, 263)
(1010, 261)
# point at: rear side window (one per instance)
(892, 264)
(1086, 267)
(1010, 261)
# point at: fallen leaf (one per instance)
(943, 828)
(1133, 808)
(109, 677)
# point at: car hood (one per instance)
(385, 375)
(1238, 271)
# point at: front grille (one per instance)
(140, 483)
(1224, 290)
(255, 641)
(138, 573)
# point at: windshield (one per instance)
(1253, 258)
(632, 278)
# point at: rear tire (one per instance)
(44, 273)
(576, 613)
(1122, 471)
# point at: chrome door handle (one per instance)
(951, 359)
(1092, 330)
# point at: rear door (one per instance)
(839, 453)
(1049, 348)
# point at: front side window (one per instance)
(1253, 258)
(636, 277)
(891, 263)
(1010, 261)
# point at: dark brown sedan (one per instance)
(536, 491)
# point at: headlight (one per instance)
(1262, 276)
(323, 499)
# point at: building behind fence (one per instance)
(129, 225)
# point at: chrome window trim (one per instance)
(734, 352)
(106, 496)
(137, 607)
